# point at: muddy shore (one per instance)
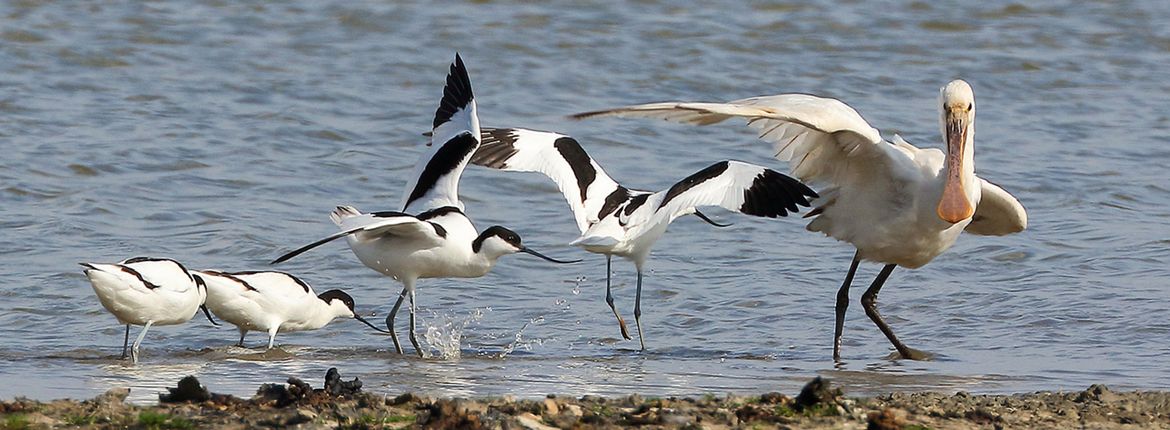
(340, 404)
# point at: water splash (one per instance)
(576, 284)
(442, 340)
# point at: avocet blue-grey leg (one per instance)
(272, 336)
(843, 305)
(134, 348)
(390, 320)
(638, 309)
(413, 339)
(609, 296)
(243, 332)
(125, 342)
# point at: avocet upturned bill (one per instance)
(274, 302)
(147, 291)
(615, 220)
(439, 241)
(897, 204)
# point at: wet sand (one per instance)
(341, 404)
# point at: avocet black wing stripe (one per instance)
(499, 145)
(737, 186)
(129, 270)
(440, 175)
(435, 179)
(697, 178)
(157, 272)
(274, 281)
(234, 277)
(583, 182)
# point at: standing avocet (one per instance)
(147, 291)
(615, 220)
(274, 302)
(897, 204)
(439, 241)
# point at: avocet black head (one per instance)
(497, 241)
(338, 299)
(200, 283)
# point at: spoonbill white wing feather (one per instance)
(998, 212)
(816, 135)
(583, 182)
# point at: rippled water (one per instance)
(222, 134)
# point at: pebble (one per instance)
(532, 422)
(551, 407)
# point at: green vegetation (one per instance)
(818, 410)
(160, 421)
(16, 422)
(80, 420)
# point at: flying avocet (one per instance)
(615, 220)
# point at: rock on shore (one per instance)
(342, 404)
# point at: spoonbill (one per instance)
(897, 204)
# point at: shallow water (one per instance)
(221, 135)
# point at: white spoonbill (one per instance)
(615, 220)
(897, 204)
(147, 291)
(274, 302)
(439, 241)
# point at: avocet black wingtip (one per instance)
(457, 93)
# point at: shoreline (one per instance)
(341, 404)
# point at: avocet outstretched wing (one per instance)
(734, 185)
(582, 181)
(455, 136)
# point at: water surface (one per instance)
(222, 134)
